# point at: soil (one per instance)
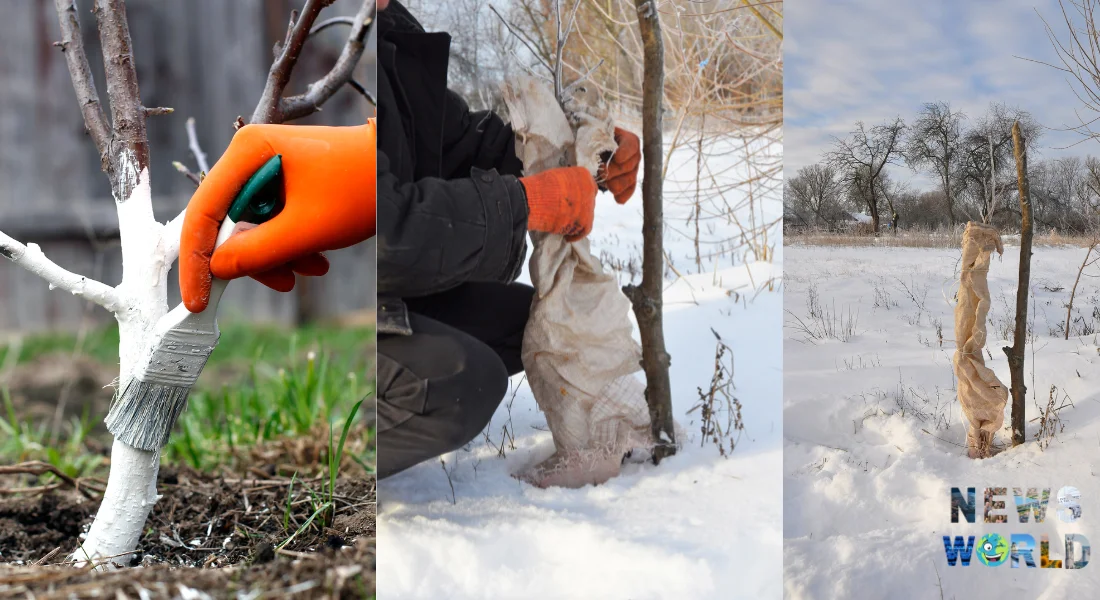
(216, 535)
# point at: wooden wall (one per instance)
(207, 59)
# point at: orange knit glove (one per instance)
(561, 201)
(620, 174)
(329, 177)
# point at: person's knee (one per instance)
(472, 399)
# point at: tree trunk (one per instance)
(873, 205)
(1015, 352)
(950, 201)
(646, 298)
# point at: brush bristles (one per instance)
(143, 414)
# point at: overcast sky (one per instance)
(869, 60)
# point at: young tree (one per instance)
(935, 142)
(149, 248)
(863, 156)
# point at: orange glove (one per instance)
(561, 201)
(620, 174)
(329, 177)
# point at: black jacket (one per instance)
(450, 207)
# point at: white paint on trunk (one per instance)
(127, 502)
(145, 270)
(146, 259)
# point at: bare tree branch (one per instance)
(323, 25)
(267, 111)
(523, 38)
(72, 46)
(157, 111)
(182, 168)
(321, 90)
(196, 149)
(127, 112)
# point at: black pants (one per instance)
(438, 388)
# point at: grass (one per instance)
(261, 386)
(23, 441)
(918, 239)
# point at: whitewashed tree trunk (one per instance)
(150, 248)
(148, 251)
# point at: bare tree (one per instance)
(890, 191)
(863, 156)
(987, 167)
(935, 142)
(813, 195)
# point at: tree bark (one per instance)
(874, 210)
(950, 200)
(127, 113)
(646, 298)
(1015, 352)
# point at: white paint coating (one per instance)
(31, 258)
(182, 340)
(128, 500)
(146, 259)
(139, 302)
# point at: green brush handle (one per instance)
(259, 201)
(261, 198)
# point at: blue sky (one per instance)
(873, 60)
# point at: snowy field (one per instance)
(699, 525)
(874, 437)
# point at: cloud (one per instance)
(868, 60)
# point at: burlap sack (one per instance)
(578, 352)
(982, 395)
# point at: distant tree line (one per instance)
(971, 162)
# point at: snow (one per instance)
(873, 432)
(696, 526)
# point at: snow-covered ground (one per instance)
(874, 435)
(698, 526)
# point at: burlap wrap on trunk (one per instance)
(578, 352)
(982, 395)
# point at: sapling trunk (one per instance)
(647, 298)
(1016, 352)
(147, 256)
(1076, 282)
(149, 248)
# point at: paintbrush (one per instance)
(143, 413)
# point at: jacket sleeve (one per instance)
(480, 140)
(434, 234)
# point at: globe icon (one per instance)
(992, 550)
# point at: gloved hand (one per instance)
(329, 177)
(620, 174)
(561, 201)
